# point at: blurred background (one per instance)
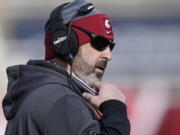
(146, 60)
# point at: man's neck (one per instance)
(64, 64)
(61, 63)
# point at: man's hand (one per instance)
(106, 92)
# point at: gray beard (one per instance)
(85, 71)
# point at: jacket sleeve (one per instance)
(114, 119)
(70, 116)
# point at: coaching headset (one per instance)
(63, 39)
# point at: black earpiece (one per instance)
(64, 39)
(64, 42)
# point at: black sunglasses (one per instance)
(98, 42)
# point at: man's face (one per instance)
(89, 64)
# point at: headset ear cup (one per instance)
(73, 42)
(58, 42)
(62, 43)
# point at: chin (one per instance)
(99, 75)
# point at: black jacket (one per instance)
(42, 100)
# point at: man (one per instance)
(64, 94)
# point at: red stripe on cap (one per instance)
(49, 52)
(98, 23)
(83, 38)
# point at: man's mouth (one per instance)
(100, 68)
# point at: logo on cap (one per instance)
(107, 23)
(108, 26)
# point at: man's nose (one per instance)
(106, 54)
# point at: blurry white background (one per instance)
(146, 59)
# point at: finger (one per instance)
(87, 96)
(91, 99)
(97, 85)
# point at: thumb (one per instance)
(91, 98)
(87, 96)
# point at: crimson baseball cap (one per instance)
(94, 21)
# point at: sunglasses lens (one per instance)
(101, 43)
(98, 42)
(111, 46)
